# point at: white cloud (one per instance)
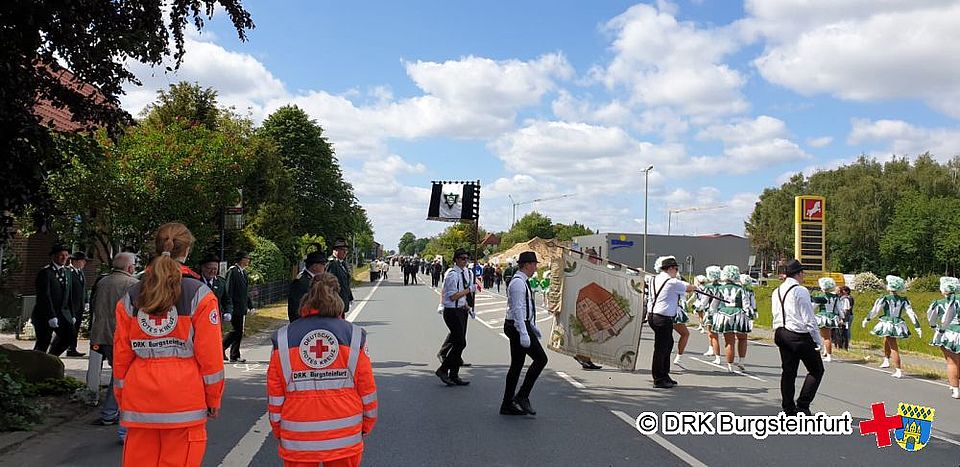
(750, 145)
(863, 50)
(904, 139)
(666, 63)
(820, 142)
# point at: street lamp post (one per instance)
(521, 203)
(646, 184)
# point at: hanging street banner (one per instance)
(597, 310)
(454, 201)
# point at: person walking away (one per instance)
(846, 317)
(797, 336)
(106, 293)
(892, 327)
(321, 393)
(458, 285)
(314, 264)
(79, 303)
(238, 287)
(498, 277)
(168, 374)
(51, 313)
(664, 297)
(948, 327)
(436, 272)
(521, 329)
(338, 267)
(828, 315)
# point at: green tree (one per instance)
(531, 225)
(459, 235)
(567, 232)
(407, 241)
(96, 40)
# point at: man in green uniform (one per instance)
(338, 267)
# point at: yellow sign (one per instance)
(810, 239)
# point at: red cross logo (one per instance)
(157, 321)
(880, 425)
(319, 349)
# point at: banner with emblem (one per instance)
(597, 307)
(454, 201)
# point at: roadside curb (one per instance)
(11, 440)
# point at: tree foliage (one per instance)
(531, 225)
(892, 217)
(96, 40)
(458, 235)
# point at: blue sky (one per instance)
(538, 99)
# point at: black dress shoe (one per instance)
(468, 365)
(805, 412)
(673, 382)
(459, 382)
(511, 409)
(74, 353)
(590, 366)
(444, 377)
(238, 360)
(525, 405)
(663, 385)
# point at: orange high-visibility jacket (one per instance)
(321, 394)
(168, 370)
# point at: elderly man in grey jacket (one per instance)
(107, 291)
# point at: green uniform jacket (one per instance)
(339, 269)
(52, 296)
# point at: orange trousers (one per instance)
(147, 447)
(352, 461)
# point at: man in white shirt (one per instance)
(521, 328)
(798, 337)
(458, 286)
(664, 296)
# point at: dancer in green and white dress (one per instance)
(945, 320)
(891, 327)
(713, 288)
(828, 315)
(700, 302)
(732, 315)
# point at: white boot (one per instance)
(676, 359)
(730, 367)
(955, 393)
(828, 358)
(709, 352)
(897, 374)
(886, 363)
(716, 361)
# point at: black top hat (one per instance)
(58, 248)
(460, 252)
(242, 255)
(669, 263)
(210, 258)
(315, 257)
(79, 255)
(340, 243)
(527, 257)
(792, 268)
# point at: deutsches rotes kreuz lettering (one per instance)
(319, 349)
(157, 326)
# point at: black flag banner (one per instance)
(454, 201)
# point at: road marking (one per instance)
(248, 446)
(904, 376)
(351, 316)
(725, 368)
(504, 336)
(575, 383)
(676, 451)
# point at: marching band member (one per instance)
(700, 302)
(797, 337)
(891, 327)
(664, 298)
(713, 288)
(750, 306)
(680, 325)
(828, 315)
(731, 319)
(946, 332)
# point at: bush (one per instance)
(267, 262)
(867, 281)
(54, 387)
(16, 412)
(929, 283)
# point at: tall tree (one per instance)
(96, 40)
(406, 241)
(531, 225)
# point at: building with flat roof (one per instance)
(693, 252)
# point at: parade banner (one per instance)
(454, 201)
(597, 310)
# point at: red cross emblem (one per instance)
(157, 321)
(880, 425)
(319, 349)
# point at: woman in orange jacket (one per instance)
(322, 398)
(168, 370)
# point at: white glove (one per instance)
(536, 331)
(525, 341)
(73, 320)
(863, 323)
(227, 317)
(252, 311)
(919, 333)
(473, 313)
(52, 322)
(440, 308)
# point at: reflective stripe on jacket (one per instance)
(321, 393)
(168, 370)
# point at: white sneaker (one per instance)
(897, 374)
(886, 363)
(716, 361)
(709, 352)
(676, 359)
(730, 367)
(828, 358)
(955, 393)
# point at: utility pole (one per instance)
(521, 203)
(695, 208)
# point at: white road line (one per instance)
(904, 376)
(351, 316)
(575, 383)
(724, 368)
(676, 451)
(544, 319)
(248, 446)
(504, 336)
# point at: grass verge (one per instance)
(267, 318)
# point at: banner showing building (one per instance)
(597, 310)
(454, 201)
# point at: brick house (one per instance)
(599, 313)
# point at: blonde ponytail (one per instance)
(160, 288)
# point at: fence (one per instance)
(269, 293)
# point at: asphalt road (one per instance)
(584, 417)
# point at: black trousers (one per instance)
(456, 320)
(406, 277)
(235, 336)
(518, 355)
(436, 279)
(44, 334)
(794, 348)
(662, 327)
(76, 329)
